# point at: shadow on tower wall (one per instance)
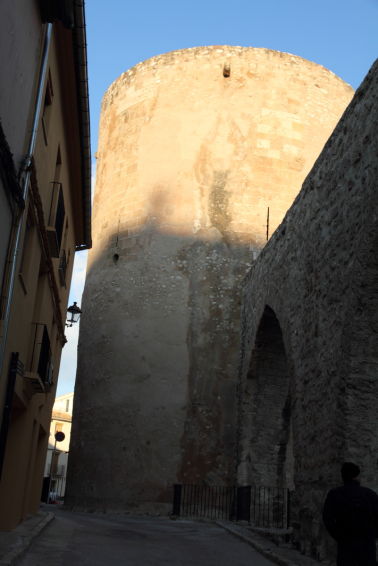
(156, 389)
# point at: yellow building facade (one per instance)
(45, 201)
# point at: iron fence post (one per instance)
(243, 503)
(177, 488)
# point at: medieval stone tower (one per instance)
(201, 153)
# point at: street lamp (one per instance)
(74, 313)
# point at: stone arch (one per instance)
(267, 452)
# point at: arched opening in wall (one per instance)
(267, 425)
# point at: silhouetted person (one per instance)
(350, 515)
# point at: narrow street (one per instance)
(84, 539)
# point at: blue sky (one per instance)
(341, 35)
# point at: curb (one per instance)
(23, 541)
(264, 548)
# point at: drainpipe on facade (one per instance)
(24, 176)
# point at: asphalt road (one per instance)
(83, 539)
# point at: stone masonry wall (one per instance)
(319, 275)
(195, 146)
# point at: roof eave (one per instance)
(80, 51)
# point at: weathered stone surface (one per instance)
(189, 161)
(318, 275)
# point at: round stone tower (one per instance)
(201, 153)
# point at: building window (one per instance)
(27, 251)
(64, 259)
(56, 219)
(44, 361)
(62, 269)
(57, 212)
(67, 405)
(39, 374)
(59, 217)
(47, 105)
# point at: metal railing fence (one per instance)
(265, 507)
(270, 507)
(205, 502)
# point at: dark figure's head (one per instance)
(349, 471)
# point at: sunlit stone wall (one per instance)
(201, 153)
